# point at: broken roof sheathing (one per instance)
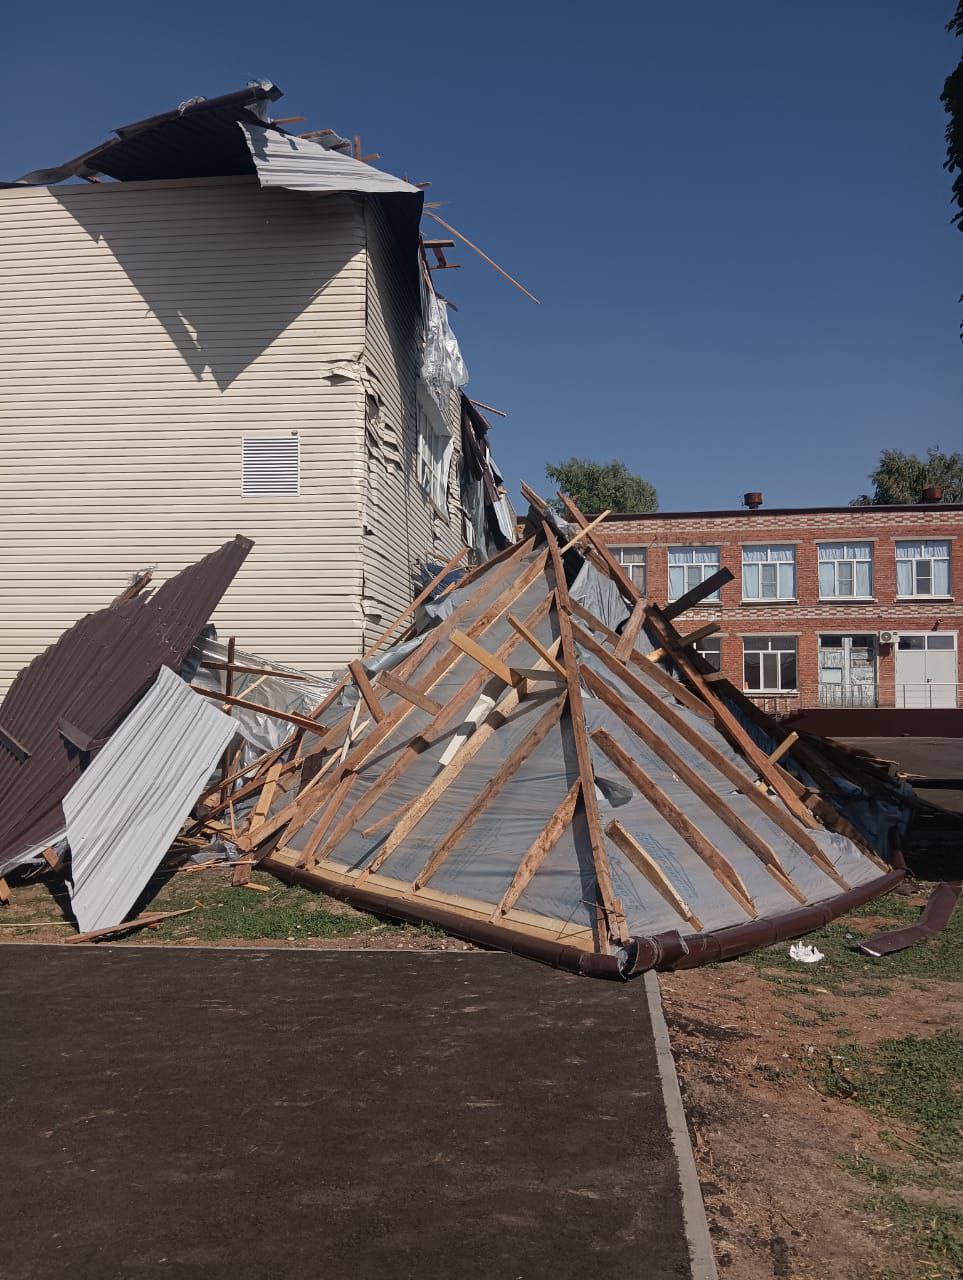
(63, 706)
(529, 778)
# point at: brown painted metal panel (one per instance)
(89, 680)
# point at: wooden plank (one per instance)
(708, 629)
(371, 700)
(536, 645)
(419, 600)
(697, 594)
(482, 656)
(630, 632)
(584, 531)
(54, 863)
(338, 796)
(680, 822)
(241, 874)
(491, 789)
(728, 724)
(783, 747)
(642, 860)
(652, 670)
(761, 799)
(404, 690)
(238, 668)
(139, 922)
(301, 721)
(692, 779)
(608, 901)
(540, 848)
(263, 805)
(4, 893)
(622, 579)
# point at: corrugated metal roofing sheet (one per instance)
(300, 165)
(65, 704)
(125, 810)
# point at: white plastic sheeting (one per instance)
(443, 370)
(129, 804)
(299, 165)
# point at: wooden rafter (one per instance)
(540, 848)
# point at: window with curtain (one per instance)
(769, 573)
(690, 566)
(633, 560)
(922, 568)
(769, 664)
(845, 570)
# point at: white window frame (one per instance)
(780, 574)
(695, 571)
(436, 446)
(710, 649)
(850, 562)
(917, 561)
(632, 566)
(789, 644)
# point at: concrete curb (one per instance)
(701, 1255)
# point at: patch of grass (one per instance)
(917, 1081)
(883, 1175)
(936, 1232)
(845, 971)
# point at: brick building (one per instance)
(829, 606)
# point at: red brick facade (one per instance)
(810, 616)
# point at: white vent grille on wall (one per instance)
(271, 467)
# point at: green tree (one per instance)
(901, 477)
(602, 486)
(952, 100)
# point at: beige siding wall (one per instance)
(402, 530)
(145, 328)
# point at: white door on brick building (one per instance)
(926, 669)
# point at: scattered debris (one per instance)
(805, 954)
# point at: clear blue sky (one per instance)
(735, 214)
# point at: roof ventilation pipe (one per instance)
(752, 500)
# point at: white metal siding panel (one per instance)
(145, 329)
(402, 530)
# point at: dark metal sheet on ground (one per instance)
(257, 1113)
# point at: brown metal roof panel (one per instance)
(86, 682)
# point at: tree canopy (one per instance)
(603, 486)
(952, 100)
(901, 477)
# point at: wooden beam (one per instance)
(407, 691)
(485, 659)
(139, 922)
(535, 644)
(303, 722)
(263, 805)
(371, 699)
(608, 901)
(583, 531)
(457, 831)
(4, 893)
(491, 261)
(694, 780)
(419, 600)
(630, 632)
(642, 860)
(783, 747)
(540, 848)
(703, 848)
(622, 579)
(238, 668)
(337, 799)
(707, 629)
(697, 594)
(716, 758)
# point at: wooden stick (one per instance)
(483, 657)
(643, 861)
(404, 690)
(238, 668)
(228, 689)
(303, 722)
(4, 893)
(723, 871)
(708, 629)
(630, 632)
(491, 788)
(622, 579)
(783, 747)
(608, 901)
(338, 796)
(585, 529)
(419, 599)
(491, 261)
(139, 922)
(263, 806)
(536, 644)
(364, 688)
(697, 594)
(540, 848)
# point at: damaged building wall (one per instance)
(403, 530)
(148, 328)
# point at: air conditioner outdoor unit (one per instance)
(888, 637)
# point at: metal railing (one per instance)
(837, 695)
(930, 693)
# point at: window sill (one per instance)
(775, 600)
(924, 599)
(848, 600)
